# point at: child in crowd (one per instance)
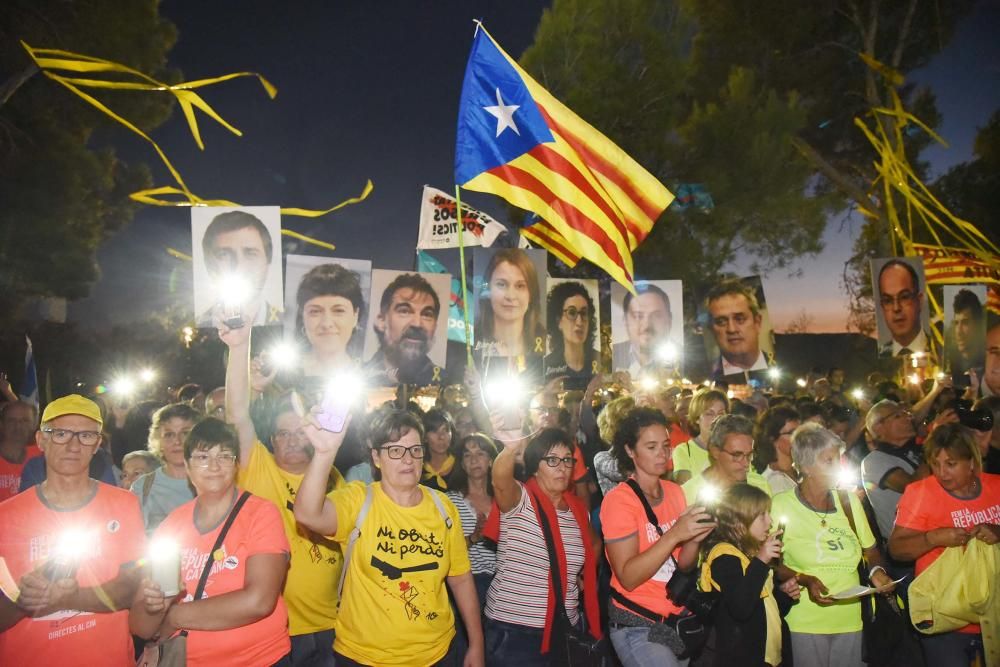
(737, 558)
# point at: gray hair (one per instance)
(808, 441)
(149, 457)
(878, 412)
(728, 425)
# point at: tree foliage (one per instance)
(754, 99)
(64, 190)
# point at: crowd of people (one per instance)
(651, 522)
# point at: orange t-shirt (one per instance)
(623, 517)
(256, 530)
(10, 473)
(926, 506)
(678, 435)
(29, 529)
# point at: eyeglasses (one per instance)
(901, 299)
(554, 461)
(398, 451)
(62, 436)
(202, 460)
(739, 457)
(576, 313)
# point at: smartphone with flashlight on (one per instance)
(334, 408)
(56, 569)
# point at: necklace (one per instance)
(819, 515)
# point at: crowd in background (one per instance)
(466, 529)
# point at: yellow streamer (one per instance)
(896, 178)
(50, 61)
(178, 254)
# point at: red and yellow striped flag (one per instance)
(517, 141)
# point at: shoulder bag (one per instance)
(173, 651)
(568, 647)
(886, 639)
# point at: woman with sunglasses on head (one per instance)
(520, 607)
(403, 549)
(239, 617)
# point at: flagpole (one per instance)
(461, 259)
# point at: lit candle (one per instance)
(165, 563)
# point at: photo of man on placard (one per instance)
(964, 330)
(740, 330)
(236, 254)
(407, 341)
(901, 306)
(644, 336)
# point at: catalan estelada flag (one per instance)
(517, 141)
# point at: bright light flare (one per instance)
(163, 548)
(709, 495)
(774, 373)
(667, 352)
(233, 290)
(858, 394)
(348, 383)
(685, 381)
(647, 383)
(123, 386)
(914, 379)
(283, 355)
(801, 382)
(504, 391)
(71, 545)
(847, 478)
(147, 375)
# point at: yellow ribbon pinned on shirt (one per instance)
(50, 61)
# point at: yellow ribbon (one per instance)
(899, 183)
(49, 61)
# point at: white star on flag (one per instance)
(504, 114)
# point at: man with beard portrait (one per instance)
(405, 326)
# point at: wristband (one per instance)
(871, 572)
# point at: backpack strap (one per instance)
(444, 514)
(355, 534)
(650, 515)
(147, 486)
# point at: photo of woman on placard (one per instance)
(572, 325)
(329, 302)
(509, 313)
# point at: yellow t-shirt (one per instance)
(314, 570)
(693, 486)
(829, 552)
(395, 609)
(691, 457)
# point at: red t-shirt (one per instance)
(678, 435)
(623, 517)
(256, 530)
(926, 506)
(29, 529)
(10, 473)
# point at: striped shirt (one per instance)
(483, 559)
(520, 590)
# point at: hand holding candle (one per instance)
(165, 566)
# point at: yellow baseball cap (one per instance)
(74, 404)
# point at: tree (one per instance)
(971, 190)
(756, 100)
(64, 190)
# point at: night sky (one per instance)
(370, 90)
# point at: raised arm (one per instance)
(506, 489)
(238, 388)
(313, 509)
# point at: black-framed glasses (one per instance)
(62, 436)
(554, 461)
(576, 313)
(398, 451)
(904, 298)
(204, 460)
(739, 457)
